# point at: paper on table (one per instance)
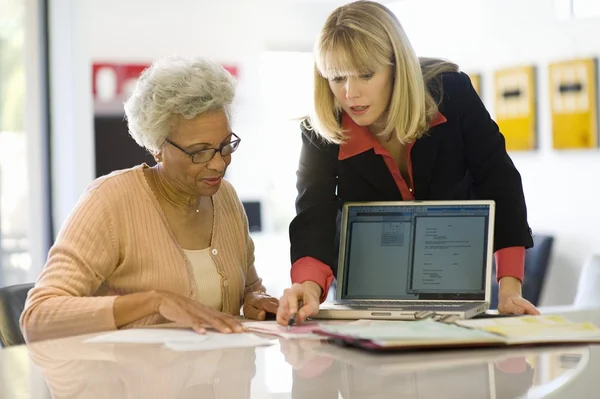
(221, 341)
(301, 331)
(148, 336)
(181, 340)
(424, 330)
(516, 321)
(305, 330)
(540, 328)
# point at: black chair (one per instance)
(12, 302)
(537, 259)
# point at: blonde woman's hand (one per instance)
(515, 304)
(306, 294)
(510, 300)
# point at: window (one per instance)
(24, 167)
(14, 195)
(287, 89)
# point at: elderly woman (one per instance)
(149, 245)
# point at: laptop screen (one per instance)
(432, 252)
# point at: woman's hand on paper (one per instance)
(258, 304)
(191, 313)
(307, 293)
(510, 300)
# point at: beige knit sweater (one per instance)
(117, 241)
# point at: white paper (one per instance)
(221, 341)
(181, 340)
(305, 330)
(301, 331)
(148, 336)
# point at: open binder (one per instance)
(430, 334)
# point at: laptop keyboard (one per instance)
(378, 304)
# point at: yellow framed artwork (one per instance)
(515, 102)
(476, 82)
(573, 104)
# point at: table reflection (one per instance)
(295, 368)
(327, 371)
(74, 369)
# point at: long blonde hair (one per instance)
(364, 36)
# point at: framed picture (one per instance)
(573, 104)
(515, 102)
(476, 82)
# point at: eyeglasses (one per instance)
(206, 155)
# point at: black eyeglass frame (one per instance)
(234, 144)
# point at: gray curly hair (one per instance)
(175, 86)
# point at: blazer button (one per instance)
(225, 283)
(214, 251)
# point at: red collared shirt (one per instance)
(510, 261)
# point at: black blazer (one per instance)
(463, 158)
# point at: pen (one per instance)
(292, 319)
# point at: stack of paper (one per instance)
(408, 333)
(535, 329)
(531, 330)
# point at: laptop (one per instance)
(412, 260)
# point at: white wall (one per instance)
(561, 188)
(234, 32)
(231, 31)
(480, 35)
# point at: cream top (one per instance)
(117, 241)
(207, 278)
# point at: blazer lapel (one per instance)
(373, 169)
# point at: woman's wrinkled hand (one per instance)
(258, 304)
(191, 313)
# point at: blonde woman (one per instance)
(170, 242)
(389, 126)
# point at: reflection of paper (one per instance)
(220, 341)
(301, 331)
(148, 336)
(181, 340)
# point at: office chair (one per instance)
(537, 259)
(12, 302)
